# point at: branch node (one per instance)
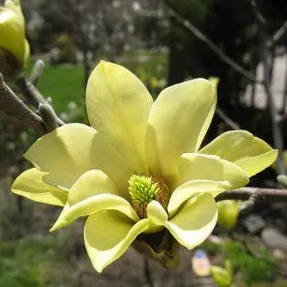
(248, 204)
(37, 72)
(48, 116)
(11, 105)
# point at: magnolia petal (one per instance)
(214, 81)
(91, 183)
(30, 184)
(92, 205)
(250, 153)
(92, 192)
(15, 5)
(156, 213)
(118, 105)
(69, 151)
(108, 234)
(192, 188)
(192, 224)
(195, 221)
(26, 54)
(178, 121)
(258, 163)
(194, 166)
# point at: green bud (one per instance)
(228, 212)
(223, 276)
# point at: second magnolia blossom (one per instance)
(138, 171)
(14, 48)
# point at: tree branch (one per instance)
(32, 94)
(258, 14)
(11, 105)
(226, 119)
(278, 35)
(196, 32)
(262, 194)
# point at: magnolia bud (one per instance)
(15, 50)
(223, 276)
(228, 211)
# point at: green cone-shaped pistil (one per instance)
(142, 189)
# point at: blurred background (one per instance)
(163, 43)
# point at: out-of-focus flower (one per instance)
(223, 276)
(138, 173)
(228, 212)
(14, 48)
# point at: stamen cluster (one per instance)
(142, 189)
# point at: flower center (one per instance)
(143, 189)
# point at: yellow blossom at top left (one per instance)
(12, 35)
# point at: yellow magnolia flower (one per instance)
(137, 172)
(12, 34)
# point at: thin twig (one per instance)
(48, 116)
(258, 14)
(32, 94)
(278, 35)
(226, 119)
(253, 90)
(196, 32)
(11, 105)
(37, 72)
(248, 204)
(262, 194)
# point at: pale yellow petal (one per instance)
(192, 224)
(15, 6)
(92, 192)
(248, 152)
(26, 54)
(194, 166)
(30, 184)
(118, 105)
(195, 221)
(91, 183)
(178, 121)
(206, 125)
(255, 164)
(93, 205)
(156, 213)
(108, 234)
(71, 150)
(192, 188)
